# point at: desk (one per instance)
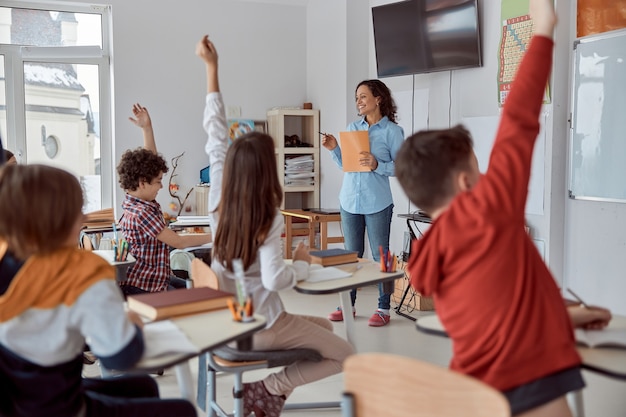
(414, 218)
(606, 361)
(368, 273)
(312, 220)
(206, 331)
(190, 221)
(120, 266)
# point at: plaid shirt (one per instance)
(141, 223)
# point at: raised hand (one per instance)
(142, 117)
(206, 50)
(544, 17)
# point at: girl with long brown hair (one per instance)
(244, 203)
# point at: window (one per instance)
(55, 90)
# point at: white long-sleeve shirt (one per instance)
(269, 273)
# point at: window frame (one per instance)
(15, 56)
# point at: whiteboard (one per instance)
(597, 163)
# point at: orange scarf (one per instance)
(47, 281)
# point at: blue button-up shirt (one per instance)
(369, 192)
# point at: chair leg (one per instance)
(211, 392)
(238, 394)
(347, 405)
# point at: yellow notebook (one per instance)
(352, 144)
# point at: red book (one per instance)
(166, 304)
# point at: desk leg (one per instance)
(288, 237)
(348, 319)
(185, 382)
(575, 400)
(312, 230)
(323, 235)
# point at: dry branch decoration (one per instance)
(173, 187)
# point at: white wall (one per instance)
(262, 49)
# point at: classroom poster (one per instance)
(516, 32)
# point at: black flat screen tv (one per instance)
(420, 36)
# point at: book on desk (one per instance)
(605, 337)
(166, 304)
(99, 219)
(330, 257)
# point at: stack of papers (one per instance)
(193, 219)
(299, 171)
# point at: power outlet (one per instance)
(233, 112)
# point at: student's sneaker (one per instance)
(256, 399)
(379, 319)
(337, 315)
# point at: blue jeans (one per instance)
(378, 227)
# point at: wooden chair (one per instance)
(378, 384)
(236, 361)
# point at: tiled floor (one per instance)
(603, 396)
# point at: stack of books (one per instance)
(99, 219)
(299, 171)
(330, 257)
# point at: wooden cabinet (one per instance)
(297, 143)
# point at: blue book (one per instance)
(328, 257)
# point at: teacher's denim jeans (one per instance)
(378, 227)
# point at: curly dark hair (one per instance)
(139, 165)
(386, 105)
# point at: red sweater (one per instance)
(494, 295)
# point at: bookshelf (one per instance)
(297, 146)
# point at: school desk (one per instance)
(206, 331)
(364, 273)
(312, 220)
(606, 361)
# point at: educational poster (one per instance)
(239, 127)
(515, 37)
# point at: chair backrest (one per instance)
(382, 384)
(202, 275)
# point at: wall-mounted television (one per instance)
(420, 36)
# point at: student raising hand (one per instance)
(544, 17)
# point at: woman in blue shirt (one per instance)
(365, 197)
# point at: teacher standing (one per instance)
(365, 197)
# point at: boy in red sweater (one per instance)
(495, 297)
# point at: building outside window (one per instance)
(55, 91)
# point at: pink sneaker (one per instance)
(379, 319)
(337, 315)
